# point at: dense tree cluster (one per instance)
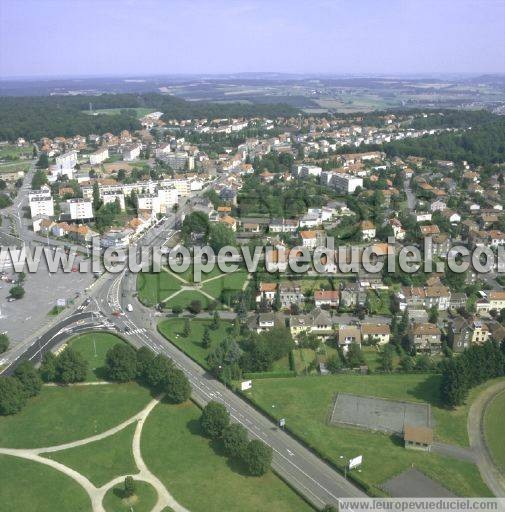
(68, 367)
(255, 454)
(52, 116)
(15, 390)
(289, 200)
(474, 366)
(123, 364)
(483, 144)
(251, 353)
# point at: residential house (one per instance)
(425, 337)
(375, 333)
(348, 334)
(492, 300)
(290, 293)
(267, 292)
(352, 295)
(329, 298)
(367, 229)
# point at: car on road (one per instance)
(129, 307)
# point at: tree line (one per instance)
(474, 366)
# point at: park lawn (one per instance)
(63, 414)
(28, 485)
(155, 287)
(93, 347)
(143, 500)
(103, 460)
(186, 297)
(198, 475)
(233, 281)
(172, 330)
(189, 274)
(493, 429)
(306, 401)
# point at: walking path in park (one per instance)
(97, 494)
(490, 473)
(187, 286)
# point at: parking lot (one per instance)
(22, 317)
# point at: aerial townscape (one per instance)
(225, 290)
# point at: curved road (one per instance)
(494, 479)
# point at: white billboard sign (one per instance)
(354, 463)
(246, 384)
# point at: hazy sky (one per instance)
(135, 37)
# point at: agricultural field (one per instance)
(305, 403)
(11, 152)
(493, 430)
(139, 111)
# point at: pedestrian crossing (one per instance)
(136, 331)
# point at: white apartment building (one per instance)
(302, 171)
(179, 160)
(346, 183)
(66, 161)
(168, 197)
(149, 202)
(131, 152)
(42, 205)
(109, 196)
(99, 156)
(78, 208)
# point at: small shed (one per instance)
(418, 438)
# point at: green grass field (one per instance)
(185, 298)
(102, 460)
(63, 414)
(139, 111)
(199, 476)
(14, 167)
(305, 404)
(30, 486)
(94, 347)
(233, 281)
(143, 500)
(152, 288)
(493, 428)
(13, 152)
(172, 329)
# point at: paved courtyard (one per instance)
(414, 484)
